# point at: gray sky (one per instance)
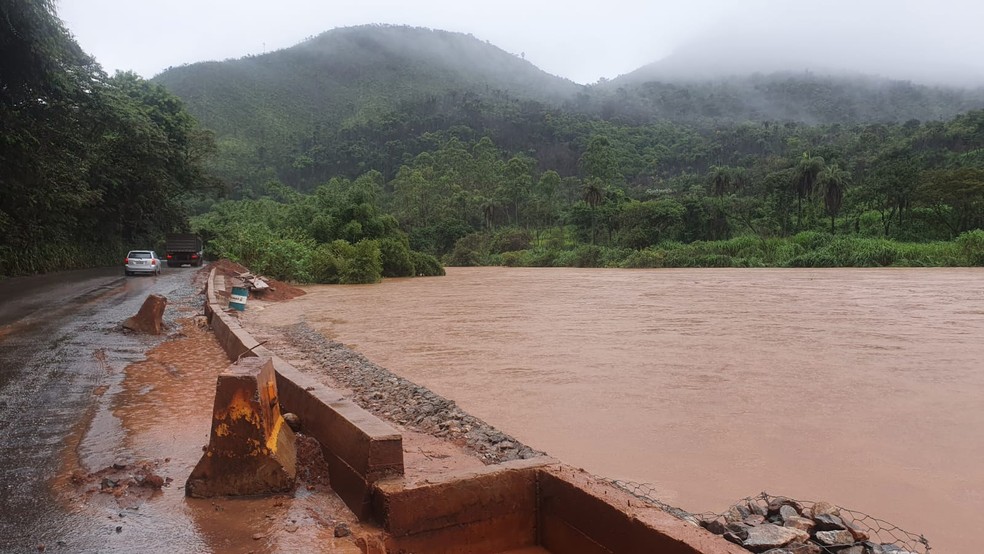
(578, 39)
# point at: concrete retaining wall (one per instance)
(487, 511)
(576, 513)
(525, 503)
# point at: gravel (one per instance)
(403, 402)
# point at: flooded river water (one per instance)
(861, 387)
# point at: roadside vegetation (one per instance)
(90, 165)
(336, 235)
(362, 179)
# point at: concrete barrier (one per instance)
(359, 447)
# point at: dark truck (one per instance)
(183, 249)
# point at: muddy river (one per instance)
(861, 387)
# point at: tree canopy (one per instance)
(91, 165)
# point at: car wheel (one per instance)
(127, 272)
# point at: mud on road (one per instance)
(103, 426)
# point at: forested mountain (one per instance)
(481, 158)
(367, 98)
(350, 75)
(659, 93)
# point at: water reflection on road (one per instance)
(863, 387)
(58, 342)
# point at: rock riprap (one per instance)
(778, 525)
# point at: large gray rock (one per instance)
(804, 548)
(739, 529)
(824, 508)
(768, 536)
(856, 549)
(787, 511)
(801, 523)
(829, 522)
(831, 538)
(859, 534)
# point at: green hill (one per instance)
(372, 97)
(350, 75)
(665, 92)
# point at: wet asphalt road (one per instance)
(60, 341)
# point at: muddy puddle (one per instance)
(152, 417)
(861, 387)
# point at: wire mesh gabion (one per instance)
(874, 535)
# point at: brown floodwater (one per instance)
(863, 387)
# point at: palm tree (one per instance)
(807, 170)
(720, 180)
(832, 181)
(594, 196)
(489, 213)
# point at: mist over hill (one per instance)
(663, 91)
(349, 75)
(371, 97)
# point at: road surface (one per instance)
(60, 342)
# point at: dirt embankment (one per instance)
(277, 291)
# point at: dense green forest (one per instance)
(379, 150)
(777, 170)
(91, 164)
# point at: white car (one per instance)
(141, 261)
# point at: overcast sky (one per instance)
(937, 40)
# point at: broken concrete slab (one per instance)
(251, 450)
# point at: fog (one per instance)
(934, 42)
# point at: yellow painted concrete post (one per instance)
(251, 449)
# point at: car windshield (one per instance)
(139, 255)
